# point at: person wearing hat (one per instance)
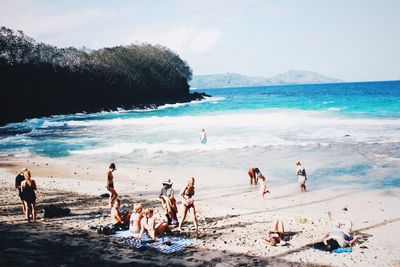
(110, 185)
(18, 180)
(168, 202)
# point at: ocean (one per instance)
(343, 133)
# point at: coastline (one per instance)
(232, 217)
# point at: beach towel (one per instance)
(166, 244)
(322, 247)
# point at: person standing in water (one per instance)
(301, 176)
(203, 136)
(254, 174)
(110, 185)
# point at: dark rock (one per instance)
(53, 211)
(105, 195)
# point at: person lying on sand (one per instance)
(263, 186)
(187, 194)
(275, 237)
(168, 202)
(254, 174)
(339, 236)
(118, 220)
(154, 229)
(135, 219)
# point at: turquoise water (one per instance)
(350, 129)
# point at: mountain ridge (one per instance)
(229, 79)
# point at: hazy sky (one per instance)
(353, 40)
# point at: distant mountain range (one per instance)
(238, 80)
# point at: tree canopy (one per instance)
(39, 79)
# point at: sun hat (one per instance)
(167, 182)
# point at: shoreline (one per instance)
(232, 217)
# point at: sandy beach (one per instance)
(232, 218)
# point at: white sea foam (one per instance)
(236, 130)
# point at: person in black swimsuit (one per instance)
(188, 203)
(110, 185)
(28, 187)
(18, 180)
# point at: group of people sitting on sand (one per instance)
(256, 176)
(141, 220)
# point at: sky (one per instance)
(352, 40)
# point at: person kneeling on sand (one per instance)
(119, 221)
(154, 229)
(263, 186)
(135, 219)
(276, 236)
(168, 202)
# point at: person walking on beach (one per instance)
(187, 194)
(110, 184)
(18, 180)
(301, 176)
(168, 202)
(28, 187)
(254, 174)
(203, 136)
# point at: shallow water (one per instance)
(343, 133)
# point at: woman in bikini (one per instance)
(188, 203)
(154, 229)
(110, 185)
(28, 187)
(136, 217)
(254, 174)
(276, 236)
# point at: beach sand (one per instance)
(232, 217)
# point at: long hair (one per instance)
(190, 184)
(27, 176)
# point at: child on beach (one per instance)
(187, 194)
(276, 236)
(28, 187)
(136, 217)
(110, 185)
(263, 186)
(154, 229)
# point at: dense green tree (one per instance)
(40, 80)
